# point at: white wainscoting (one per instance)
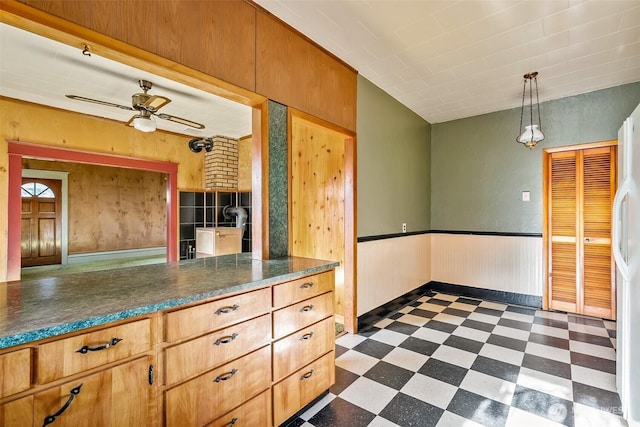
(389, 268)
(502, 263)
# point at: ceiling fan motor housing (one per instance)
(138, 100)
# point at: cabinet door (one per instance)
(119, 396)
(18, 413)
(15, 372)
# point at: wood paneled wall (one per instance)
(112, 208)
(24, 121)
(215, 37)
(293, 71)
(317, 208)
(233, 40)
(244, 163)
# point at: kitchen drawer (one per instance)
(17, 413)
(300, 289)
(68, 356)
(204, 353)
(204, 318)
(294, 392)
(210, 395)
(301, 347)
(255, 413)
(15, 371)
(290, 319)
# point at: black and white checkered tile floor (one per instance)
(444, 360)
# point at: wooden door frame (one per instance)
(350, 210)
(64, 206)
(17, 150)
(546, 154)
(55, 185)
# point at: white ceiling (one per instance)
(447, 59)
(37, 69)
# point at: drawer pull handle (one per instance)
(228, 309)
(307, 285)
(226, 340)
(51, 418)
(306, 336)
(85, 349)
(306, 308)
(306, 376)
(226, 376)
(233, 422)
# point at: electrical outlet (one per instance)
(526, 196)
(404, 227)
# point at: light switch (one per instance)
(526, 196)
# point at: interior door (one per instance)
(41, 222)
(581, 187)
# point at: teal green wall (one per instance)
(478, 171)
(393, 146)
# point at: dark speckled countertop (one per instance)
(45, 307)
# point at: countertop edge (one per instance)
(68, 327)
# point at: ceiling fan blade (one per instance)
(181, 121)
(95, 101)
(155, 102)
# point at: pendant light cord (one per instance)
(538, 104)
(524, 88)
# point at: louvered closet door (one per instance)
(598, 191)
(563, 202)
(581, 190)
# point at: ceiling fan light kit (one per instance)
(144, 123)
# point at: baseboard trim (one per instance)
(110, 255)
(370, 318)
(487, 294)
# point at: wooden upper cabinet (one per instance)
(293, 71)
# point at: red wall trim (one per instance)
(17, 150)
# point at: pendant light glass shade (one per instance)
(531, 134)
(144, 123)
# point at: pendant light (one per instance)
(532, 133)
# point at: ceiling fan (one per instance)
(146, 106)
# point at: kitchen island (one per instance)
(193, 342)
